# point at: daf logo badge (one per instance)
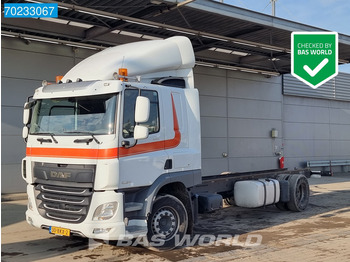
(58, 174)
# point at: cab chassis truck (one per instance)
(114, 151)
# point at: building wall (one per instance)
(238, 112)
(316, 129)
(24, 66)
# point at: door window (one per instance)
(130, 96)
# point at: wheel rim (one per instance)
(165, 223)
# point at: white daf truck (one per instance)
(114, 151)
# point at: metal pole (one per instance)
(273, 2)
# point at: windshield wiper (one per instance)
(84, 140)
(41, 140)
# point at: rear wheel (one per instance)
(167, 224)
(299, 193)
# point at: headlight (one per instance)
(105, 211)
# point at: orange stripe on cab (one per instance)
(88, 153)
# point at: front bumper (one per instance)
(111, 229)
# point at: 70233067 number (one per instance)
(30, 10)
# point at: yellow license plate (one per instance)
(60, 231)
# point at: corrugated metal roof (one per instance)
(264, 39)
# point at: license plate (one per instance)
(60, 231)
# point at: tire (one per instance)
(167, 224)
(299, 193)
(283, 177)
(282, 205)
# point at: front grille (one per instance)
(65, 204)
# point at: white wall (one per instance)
(24, 66)
(238, 112)
(316, 121)
(315, 129)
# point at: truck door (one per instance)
(142, 163)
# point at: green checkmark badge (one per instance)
(314, 57)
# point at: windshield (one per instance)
(80, 115)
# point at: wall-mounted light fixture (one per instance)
(274, 133)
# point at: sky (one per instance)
(331, 15)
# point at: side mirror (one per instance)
(142, 109)
(26, 112)
(25, 132)
(26, 116)
(140, 132)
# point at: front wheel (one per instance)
(167, 224)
